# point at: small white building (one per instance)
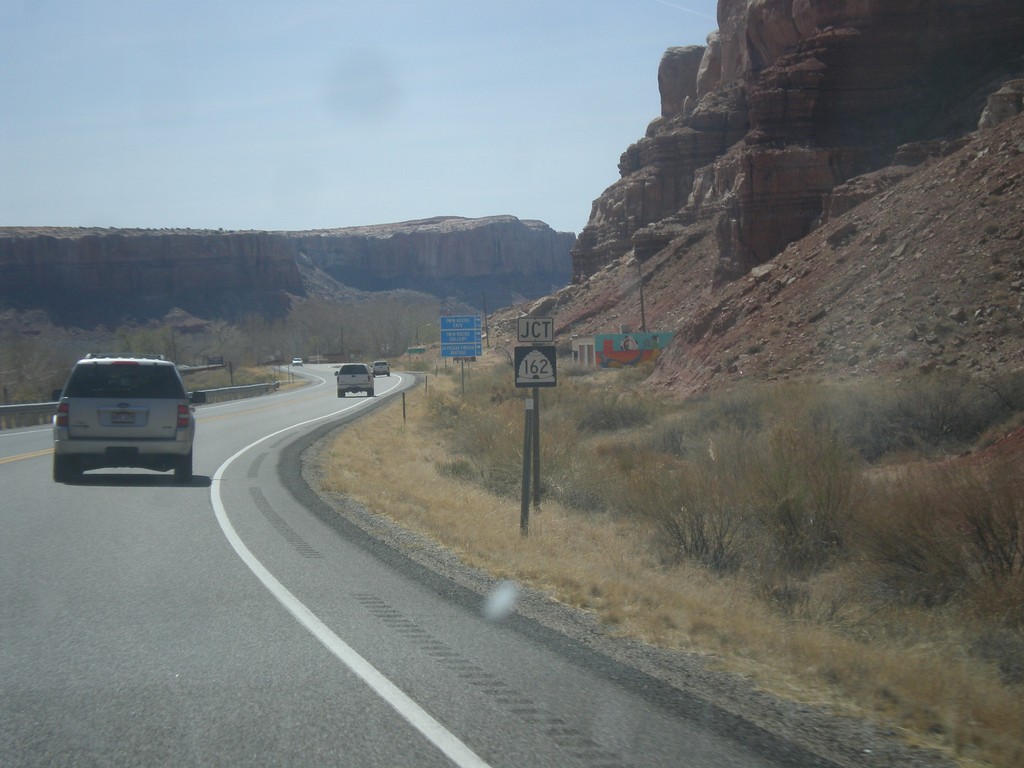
(583, 351)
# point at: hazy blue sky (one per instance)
(309, 114)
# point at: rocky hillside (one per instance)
(87, 277)
(831, 189)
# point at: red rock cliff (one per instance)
(789, 99)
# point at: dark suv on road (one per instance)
(123, 411)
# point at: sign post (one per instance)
(536, 448)
(524, 504)
(535, 367)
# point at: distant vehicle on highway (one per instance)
(354, 377)
(296, 362)
(123, 411)
(381, 368)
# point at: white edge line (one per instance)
(412, 712)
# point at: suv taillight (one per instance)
(62, 415)
(183, 417)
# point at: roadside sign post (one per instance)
(524, 504)
(535, 367)
(536, 448)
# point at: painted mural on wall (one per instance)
(616, 350)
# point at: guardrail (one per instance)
(34, 414)
(27, 415)
(233, 393)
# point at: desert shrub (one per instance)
(990, 501)
(867, 416)
(930, 414)
(950, 532)
(947, 412)
(443, 409)
(484, 427)
(674, 437)
(487, 436)
(630, 375)
(580, 470)
(574, 370)
(700, 509)
(582, 480)
(913, 546)
(775, 467)
(1002, 647)
(1008, 388)
(458, 468)
(611, 411)
(806, 483)
(485, 430)
(742, 410)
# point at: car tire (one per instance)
(65, 469)
(183, 469)
(369, 393)
(341, 394)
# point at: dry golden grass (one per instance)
(905, 669)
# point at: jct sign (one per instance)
(536, 330)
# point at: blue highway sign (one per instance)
(460, 336)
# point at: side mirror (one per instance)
(55, 396)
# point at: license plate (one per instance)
(122, 417)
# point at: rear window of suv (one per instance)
(125, 380)
(353, 368)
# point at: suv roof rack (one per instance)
(96, 355)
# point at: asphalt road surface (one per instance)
(233, 622)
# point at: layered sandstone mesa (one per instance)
(507, 257)
(101, 276)
(90, 276)
(791, 99)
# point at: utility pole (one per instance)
(487, 334)
(643, 317)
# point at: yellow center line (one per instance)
(20, 456)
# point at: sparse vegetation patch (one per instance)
(849, 543)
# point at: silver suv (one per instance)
(123, 411)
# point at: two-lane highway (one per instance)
(236, 621)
